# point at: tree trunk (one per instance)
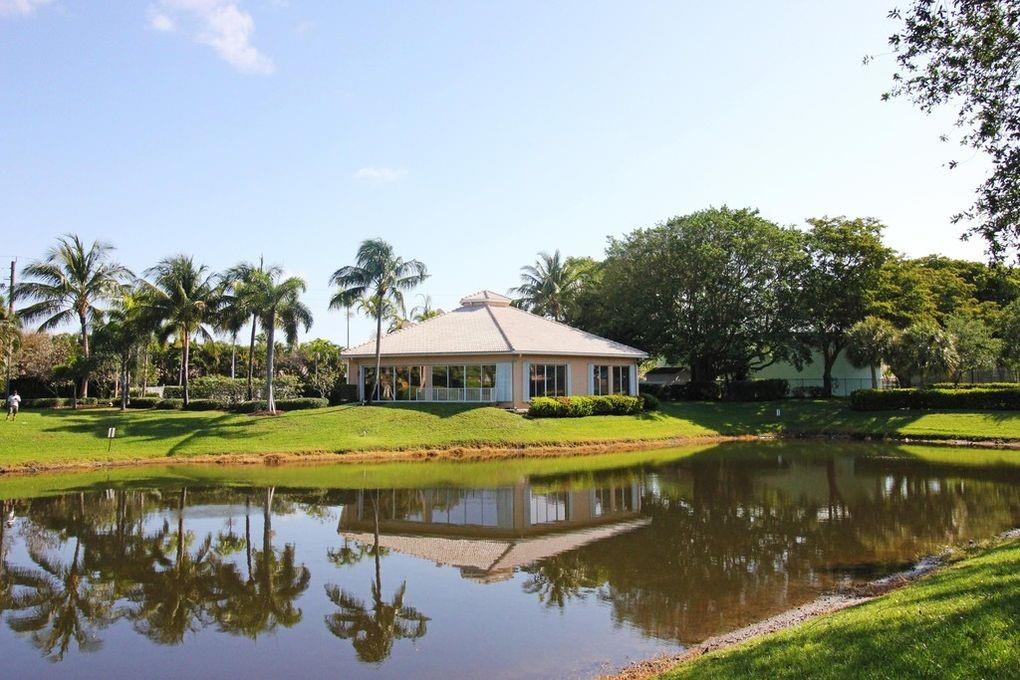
(378, 348)
(85, 353)
(180, 526)
(185, 363)
(874, 377)
(124, 388)
(270, 359)
(829, 360)
(251, 359)
(233, 355)
(145, 369)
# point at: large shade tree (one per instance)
(70, 284)
(185, 297)
(845, 260)
(380, 274)
(966, 54)
(716, 291)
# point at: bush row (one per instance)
(295, 404)
(59, 402)
(233, 390)
(983, 399)
(977, 386)
(737, 390)
(578, 407)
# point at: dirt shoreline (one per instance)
(470, 453)
(822, 606)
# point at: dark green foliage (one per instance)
(45, 402)
(343, 394)
(169, 404)
(301, 403)
(756, 390)
(807, 392)
(649, 402)
(205, 405)
(579, 407)
(977, 386)
(142, 402)
(983, 399)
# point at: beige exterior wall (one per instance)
(578, 368)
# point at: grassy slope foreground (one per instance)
(961, 622)
(61, 436)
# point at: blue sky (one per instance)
(469, 134)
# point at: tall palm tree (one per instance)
(71, 283)
(279, 304)
(382, 275)
(392, 313)
(547, 285)
(127, 328)
(244, 277)
(185, 297)
(233, 317)
(8, 341)
(425, 310)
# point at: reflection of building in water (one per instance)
(488, 533)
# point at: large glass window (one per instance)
(548, 380)
(600, 380)
(400, 383)
(621, 379)
(473, 382)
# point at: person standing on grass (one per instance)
(13, 404)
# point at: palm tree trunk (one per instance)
(124, 388)
(874, 377)
(180, 526)
(378, 348)
(85, 353)
(233, 355)
(247, 533)
(185, 361)
(251, 358)
(145, 369)
(270, 358)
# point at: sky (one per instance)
(470, 135)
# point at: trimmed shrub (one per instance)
(976, 399)
(169, 404)
(248, 406)
(45, 402)
(173, 392)
(756, 390)
(233, 390)
(652, 389)
(205, 405)
(976, 386)
(142, 402)
(649, 402)
(301, 403)
(579, 407)
(343, 394)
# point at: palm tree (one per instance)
(185, 297)
(425, 310)
(546, 286)
(243, 277)
(128, 326)
(8, 340)
(233, 317)
(380, 274)
(391, 313)
(869, 343)
(70, 283)
(280, 306)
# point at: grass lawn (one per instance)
(963, 622)
(62, 436)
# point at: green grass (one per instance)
(963, 622)
(65, 436)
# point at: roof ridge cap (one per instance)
(575, 329)
(499, 327)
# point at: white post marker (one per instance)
(110, 435)
(779, 412)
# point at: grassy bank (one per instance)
(67, 436)
(962, 622)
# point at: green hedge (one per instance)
(976, 399)
(579, 407)
(233, 390)
(142, 402)
(45, 402)
(169, 404)
(977, 386)
(205, 405)
(771, 389)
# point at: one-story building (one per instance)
(488, 352)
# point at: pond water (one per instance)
(543, 568)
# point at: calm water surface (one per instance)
(511, 569)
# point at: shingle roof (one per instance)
(488, 325)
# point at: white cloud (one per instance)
(378, 174)
(220, 24)
(161, 22)
(21, 8)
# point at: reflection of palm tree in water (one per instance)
(62, 605)
(265, 598)
(373, 630)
